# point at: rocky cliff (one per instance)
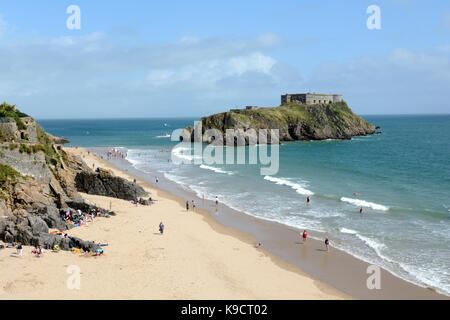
(294, 122)
(39, 182)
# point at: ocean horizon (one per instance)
(401, 179)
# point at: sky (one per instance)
(179, 58)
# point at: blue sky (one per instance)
(192, 58)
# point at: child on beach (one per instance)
(305, 236)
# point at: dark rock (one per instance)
(48, 241)
(103, 183)
(65, 244)
(37, 225)
(52, 217)
(24, 235)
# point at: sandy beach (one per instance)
(196, 258)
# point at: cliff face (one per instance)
(295, 122)
(38, 182)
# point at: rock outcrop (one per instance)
(104, 183)
(37, 184)
(294, 122)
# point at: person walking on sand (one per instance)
(161, 228)
(19, 249)
(305, 236)
(327, 244)
(187, 205)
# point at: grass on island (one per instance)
(334, 114)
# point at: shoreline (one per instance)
(336, 268)
(195, 259)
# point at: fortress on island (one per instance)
(311, 98)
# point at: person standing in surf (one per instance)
(361, 210)
(327, 244)
(308, 200)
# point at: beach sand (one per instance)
(196, 258)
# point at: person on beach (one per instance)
(187, 205)
(193, 205)
(161, 228)
(19, 249)
(327, 244)
(308, 200)
(217, 201)
(361, 210)
(305, 236)
(157, 180)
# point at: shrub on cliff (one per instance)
(10, 111)
(7, 174)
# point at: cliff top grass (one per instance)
(10, 111)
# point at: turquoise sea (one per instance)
(401, 179)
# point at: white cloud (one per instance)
(89, 74)
(206, 75)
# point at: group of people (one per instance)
(305, 236)
(190, 206)
(143, 202)
(38, 251)
(80, 218)
(115, 154)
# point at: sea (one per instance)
(400, 178)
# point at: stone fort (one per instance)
(311, 98)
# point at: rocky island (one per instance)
(307, 119)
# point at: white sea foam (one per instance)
(217, 170)
(362, 203)
(375, 245)
(347, 231)
(164, 136)
(300, 189)
(184, 153)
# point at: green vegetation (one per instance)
(308, 122)
(46, 146)
(8, 174)
(10, 111)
